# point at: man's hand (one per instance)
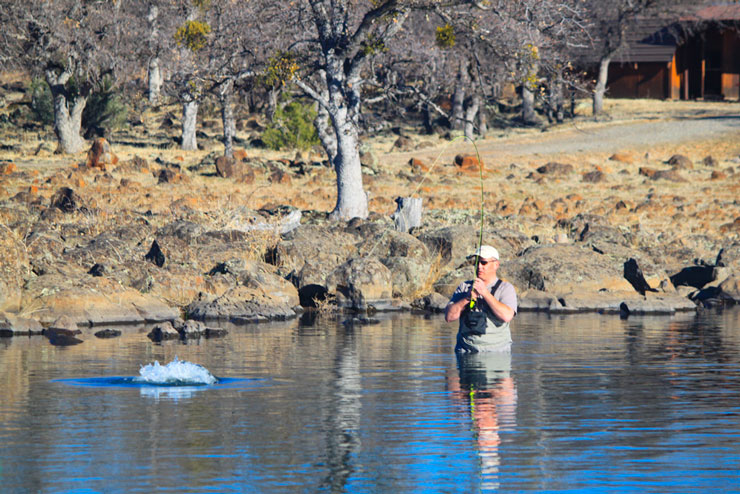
(502, 311)
(453, 310)
(479, 288)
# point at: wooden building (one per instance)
(696, 58)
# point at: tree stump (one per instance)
(407, 214)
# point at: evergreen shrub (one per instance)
(42, 104)
(292, 128)
(105, 108)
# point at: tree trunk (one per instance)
(600, 89)
(67, 122)
(351, 197)
(189, 119)
(227, 118)
(229, 123)
(471, 110)
(458, 100)
(155, 81)
(428, 120)
(555, 99)
(572, 103)
(272, 103)
(326, 133)
(340, 80)
(339, 99)
(482, 121)
(154, 73)
(528, 114)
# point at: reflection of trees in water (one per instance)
(629, 386)
(486, 392)
(342, 422)
(695, 346)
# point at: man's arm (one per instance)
(454, 309)
(500, 309)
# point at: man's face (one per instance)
(487, 266)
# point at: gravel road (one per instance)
(638, 135)
(614, 137)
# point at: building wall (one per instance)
(709, 64)
(639, 80)
(730, 64)
(706, 65)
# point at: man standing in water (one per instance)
(484, 328)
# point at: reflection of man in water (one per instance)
(485, 389)
(497, 302)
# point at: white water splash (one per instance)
(176, 373)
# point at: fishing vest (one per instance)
(497, 337)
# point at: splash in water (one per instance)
(176, 373)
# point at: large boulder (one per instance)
(316, 244)
(361, 283)
(410, 276)
(562, 278)
(243, 304)
(381, 242)
(101, 155)
(566, 268)
(163, 331)
(451, 245)
(404, 255)
(92, 301)
(727, 271)
(261, 295)
(731, 288)
(12, 325)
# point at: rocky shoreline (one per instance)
(137, 272)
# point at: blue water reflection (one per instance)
(583, 403)
(173, 391)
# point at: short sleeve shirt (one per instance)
(505, 293)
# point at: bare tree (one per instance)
(533, 39)
(154, 68)
(190, 33)
(72, 44)
(233, 56)
(335, 42)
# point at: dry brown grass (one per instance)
(700, 205)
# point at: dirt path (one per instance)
(614, 138)
(636, 135)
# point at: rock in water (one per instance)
(62, 337)
(108, 333)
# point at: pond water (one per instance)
(584, 403)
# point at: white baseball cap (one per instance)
(485, 252)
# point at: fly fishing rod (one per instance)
(480, 234)
(480, 174)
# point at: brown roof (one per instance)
(729, 12)
(650, 40)
(656, 39)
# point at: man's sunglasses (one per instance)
(483, 262)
